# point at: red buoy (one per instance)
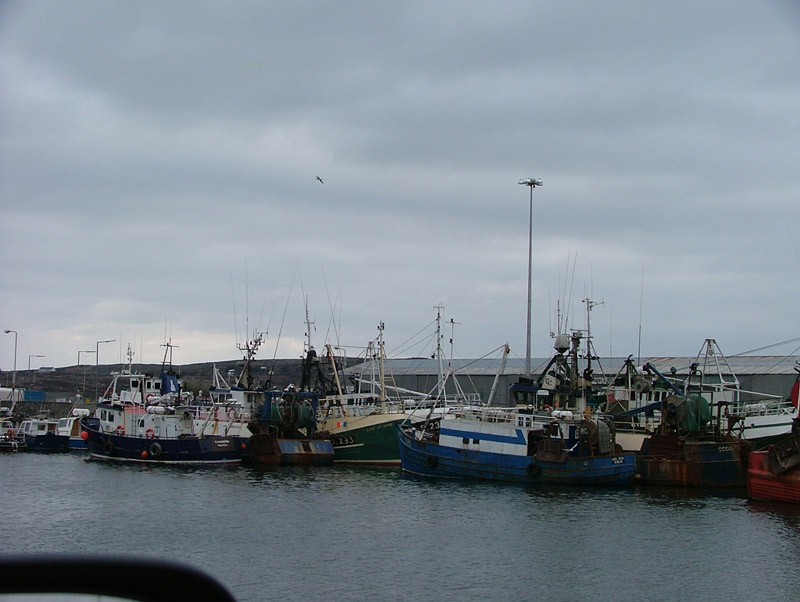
(144, 454)
(84, 435)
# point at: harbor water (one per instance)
(377, 534)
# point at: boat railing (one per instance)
(762, 407)
(526, 417)
(635, 427)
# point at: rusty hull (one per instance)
(672, 460)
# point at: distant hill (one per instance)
(73, 380)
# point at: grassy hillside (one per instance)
(74, 380)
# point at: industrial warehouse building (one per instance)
(757, 375)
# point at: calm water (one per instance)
(367, 534)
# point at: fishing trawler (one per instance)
(284, 431)
(773, 473)
(362, 422)
(148, 419)
(689, 446)
(282, 425)
(634, 398)
(362, 426)
(553, 440)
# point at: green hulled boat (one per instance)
(362, 439)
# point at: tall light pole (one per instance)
(29, 367)
(530, 183)
(97, 363)
(14, 377)
(83, 388)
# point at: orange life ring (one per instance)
(150, 434)
(120, 430)
(10, 433)
(149, 398)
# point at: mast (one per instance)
(309, 358)
(309, 324)
(440, 392)
(380, 366)
(249, 349)
(590, 305)
(500, 371)
(713, 362)
(335, 373)
(588, 372)
(168, 347)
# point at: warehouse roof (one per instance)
(739, 365)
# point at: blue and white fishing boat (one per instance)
(516, 444)
(554, 439)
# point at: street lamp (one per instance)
(83, 388)
(530, 183)
(29, 367)
(14, 377)
(97, 362)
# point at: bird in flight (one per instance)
(320, 180)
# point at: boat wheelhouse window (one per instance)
(476, 441)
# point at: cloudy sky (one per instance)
(159, 164)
